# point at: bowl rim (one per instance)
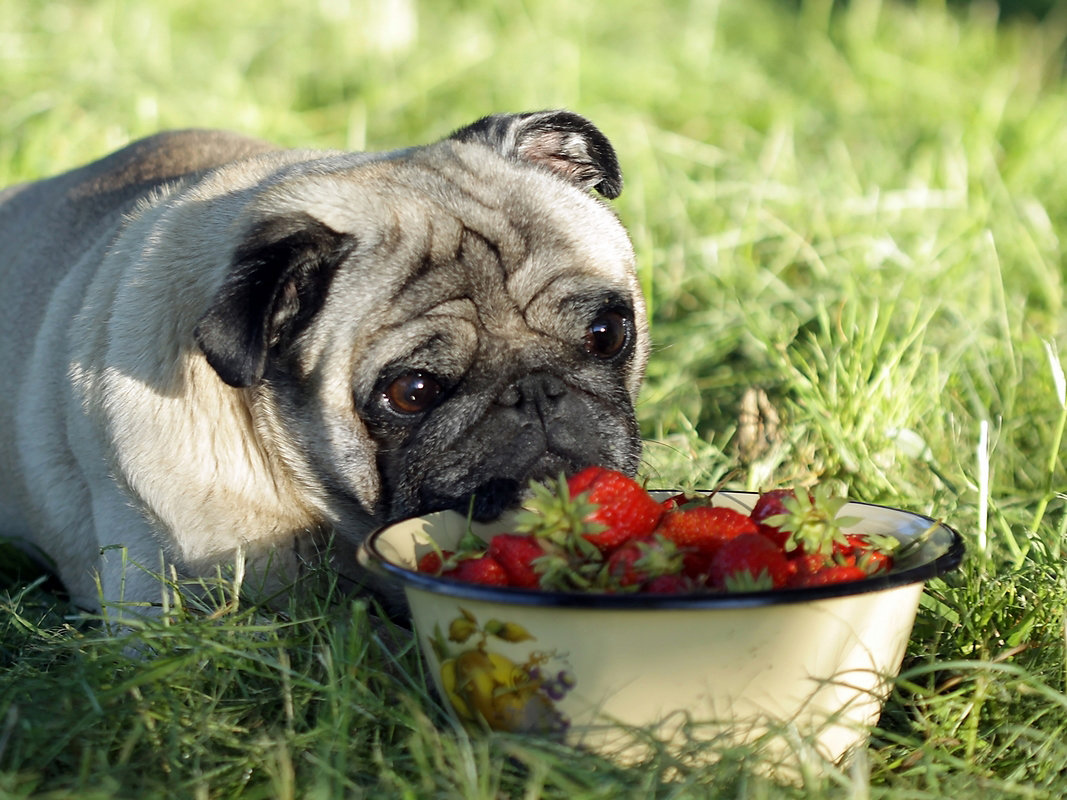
(370, 557)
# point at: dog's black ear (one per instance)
(277, 282)
(565, 142)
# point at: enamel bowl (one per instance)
(796, 671)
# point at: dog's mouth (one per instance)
(491, 499)
(499, 494)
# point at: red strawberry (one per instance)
(769, 504)
(640, 560)
(871, 554)
(676, 501)
(516, 553)
(805, 565)
(583, 480)
(484, 570)
(704, 528)
(750, 561)
(625, 509)
(621, 565)
(432, 561)
(835, 573)
(696, 566)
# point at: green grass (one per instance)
(860, 212)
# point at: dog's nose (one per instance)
(535, 388)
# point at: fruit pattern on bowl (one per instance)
(488, 688)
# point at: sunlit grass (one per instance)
(857, 212)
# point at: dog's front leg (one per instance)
(132, 564)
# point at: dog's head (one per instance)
(425, 326)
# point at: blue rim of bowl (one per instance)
(372, 558)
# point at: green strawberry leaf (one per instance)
(812, 521)
(659, 557)
(744, 581)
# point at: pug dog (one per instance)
(215, 350)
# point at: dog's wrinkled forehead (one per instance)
(452, 263)
(457, 222)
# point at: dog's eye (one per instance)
(607, 335)
(412, 393)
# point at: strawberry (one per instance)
(704, 528)
(770, 504)
(484, 570)
(583, 480)
(871, 553)
(810, 522)
(749, 561)
(622, 565)
(440, 562)
(516, 553)
(640, 560)
(677, 501)
(559, 521)
(432, 561)
(803, 566)
(626, 511)
(834, 573)
(696, 566)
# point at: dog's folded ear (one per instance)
(564, 142)
(277, 282)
